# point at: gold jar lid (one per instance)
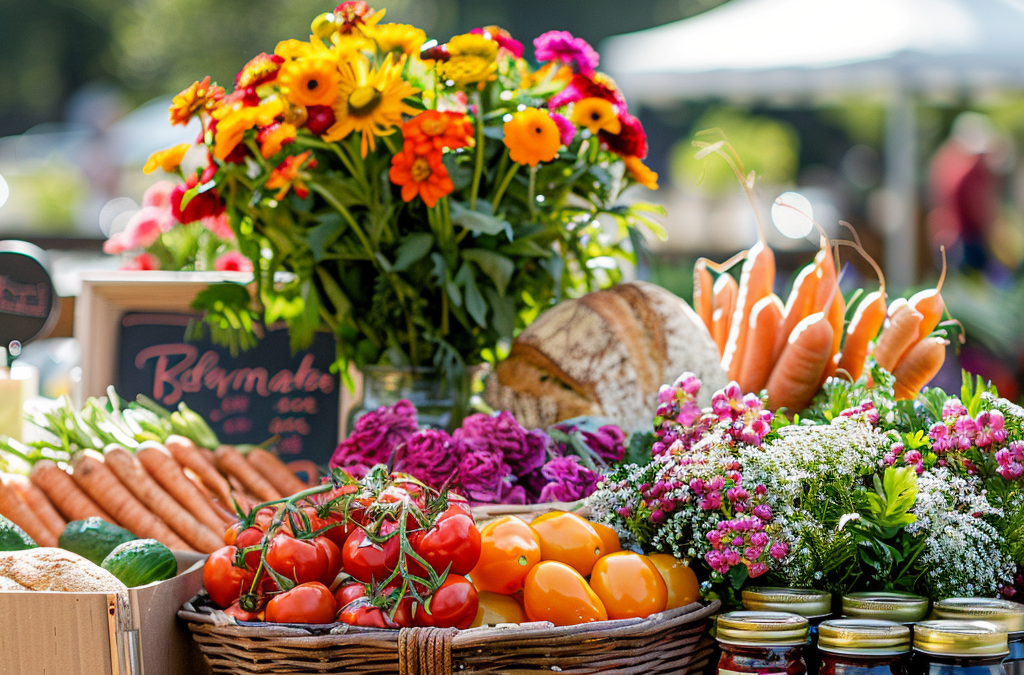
(887, 605)
(863, 636)
(762, 629)
(945, 637)
(1008, 616)
(802, 601)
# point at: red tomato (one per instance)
(369, 562)
(453, 605)
(224, 581)
(453, 540)
(346, 593)
(361, 613)
(264, 517)
(250, 536)
(306, 603)
(459, 502)
(333, 555)
(231, 534)
(242, 615)
(300, 560)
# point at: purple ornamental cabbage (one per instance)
(608, 442)
(482, 475)
(522, 451)
(375, 438)
(568, 480)
(430, 455)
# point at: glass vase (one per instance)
(441, 399)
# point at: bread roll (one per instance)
(605, 354)
(54, 569)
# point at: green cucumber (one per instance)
(13, 538)
(141, 562)
(93, 538)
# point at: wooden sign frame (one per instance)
(106, 296)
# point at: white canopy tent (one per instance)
(820, 50)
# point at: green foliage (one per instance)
(888, 507)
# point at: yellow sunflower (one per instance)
(168, 159)
(310, 80)
(398, 37)
(596, 114)
(370, 101)
(472, 60)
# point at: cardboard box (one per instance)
(53, 633)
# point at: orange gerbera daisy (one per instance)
(261, 69)
(639, 172)
(422, 175)
(287, 176)
(532, 137)
(310, 80)
(234, 120)
(596, 114)
(168, 159)
(274, 137)
(433, 130)
(196, 98)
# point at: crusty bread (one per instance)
(54, 569)
(605, 354)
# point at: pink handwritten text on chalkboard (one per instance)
(180, 368)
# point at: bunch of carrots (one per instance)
(161, 486)
(791, 349)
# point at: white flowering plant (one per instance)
(859, 492)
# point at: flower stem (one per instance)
(391, 144)
(531, 194)
(594, 147)
(479, 168)
(340, 208)
(504, 186)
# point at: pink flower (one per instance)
(757, 569)
(779, 550)
(219, 226)
(560, 45)
(232, 261)
(116, 244)
(566, 130)
(504, 39)
(144, 228)
(159, 195)
(143, 262)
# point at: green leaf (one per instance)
(494, 265)
(638, 451)
(461, 173)
(326, 232)
(413, 249)
(475, 304)
(477, 221)
(504, 321)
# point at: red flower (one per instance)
(319, 118)
(432, 130)
(286, 176)
(425, 176)
(631, 141)
(247, 96)
(204, 204)
(260, 70)
(581, 87)
(143, 262)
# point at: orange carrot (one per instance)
(227, 511)
(919, 366)
(836, 316)
(101, 484)
(930, 304)
(864, 326)
(188, 455)
(232, 463)
(757, 359)
(274, 470)
(899, 335)
(131, 473)
(702, 292)
(159, 464)
(826, 271)
(756, 281)
(39, 504)
(18, 512)
(795, 377)
(65, 494)
(798, 306)
(724, 304)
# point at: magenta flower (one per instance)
(430, 455)
(779, 550)
(481, 474)
(376, 436)
(503, 435)
(566, 129)
(562, 46)
(608, 442)
(503, 38)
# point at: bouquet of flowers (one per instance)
(425, 200)
(864, 492)
(490, 459)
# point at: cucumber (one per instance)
(141, 562)
(13, 538)
(93, 538)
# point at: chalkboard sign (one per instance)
(264, 392)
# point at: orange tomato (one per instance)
(629, 585)
(609, 536)
(569, 539)
(557, 593)
(682, 584)
(509, 548)
(495, 608)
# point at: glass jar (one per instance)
(441, 399)
(863, 647)
(896, 606)
(952, 647)
(1005, 614)
(761, 643)
(813, 605)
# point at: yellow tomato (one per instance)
(569, 539)
(682, 584)
(609, 536)
(629, 585)
(495, 608)
(557, 593)
(509, 548)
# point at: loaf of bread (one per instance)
(606, 353)
(54, 569)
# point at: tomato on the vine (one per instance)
(333, 556)
(557, 593)
(237, 612)
(453, 605)
(250, 536)
(300, 560)
(306, 603)
(509, 548)
(231, 534)
(369, 562)
(264, 517)
(362, 613)
(451, 541)
(567, 538)
(348, 592)
(629, 585)
(225, 581)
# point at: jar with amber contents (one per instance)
(813, 605)
(950, 647)
(761, 643)
(1007, 615)
(863, 647)
(895, 606)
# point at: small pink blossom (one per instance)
(232, 261)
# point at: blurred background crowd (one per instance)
(925, 158)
